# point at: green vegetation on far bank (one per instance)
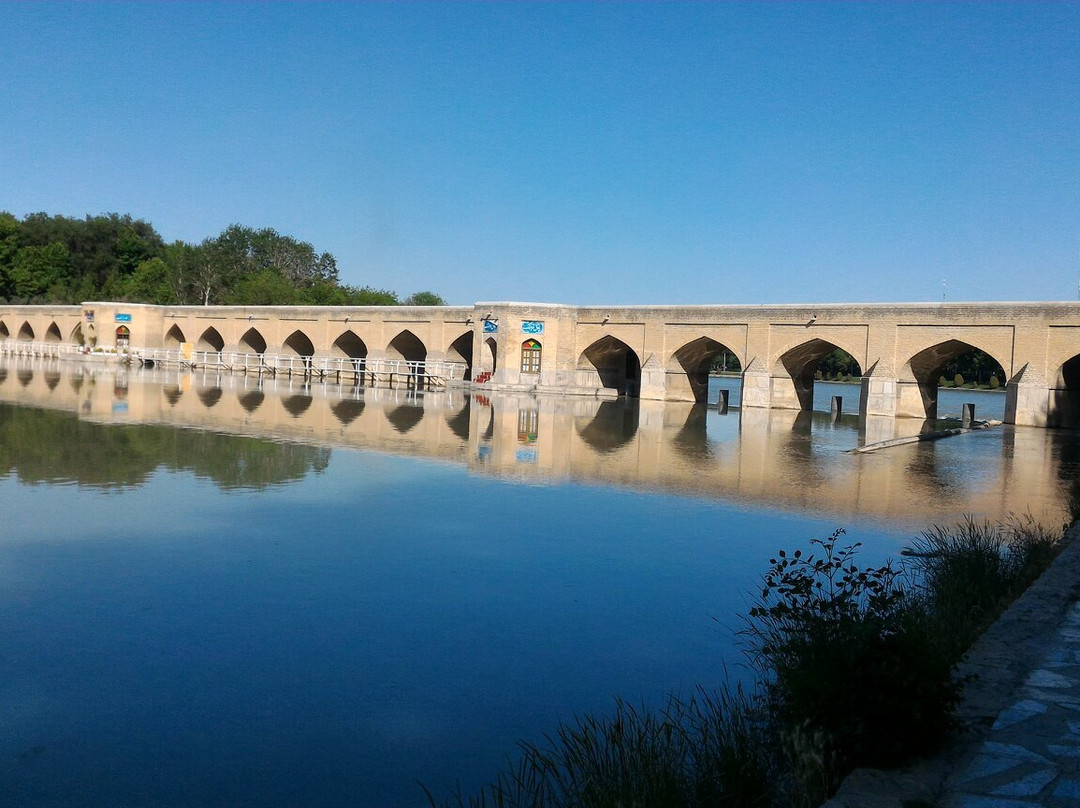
(855, 667)
(56, 259)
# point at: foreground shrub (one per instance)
(844, 654)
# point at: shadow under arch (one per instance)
(174, 337)
(52, 334)
(350, 346)
(4, 333)
(801, 362)
(459, 421)
(612, 427)
(406, 346)
(210, 341)
(405, 417)
(924, 369)
(616, 365)
(26, 333)
(297, 404)
(172, 393)
(298, 344)
(461, 350)
(209, 396)
(689, 366)
(251, 400)
(252, 342)
(347, 410)
(493, 351)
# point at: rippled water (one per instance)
(227, 591)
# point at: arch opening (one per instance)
(349, 345)
(252, 342)
(461, 350)
(4, 333)
(944, 365)
(53, 333)
(615, 364)
(76, 337)
(689, 368)
(174, 337)
(298, 344)
(493, 353)
(26, 333)
(408, 347)
(1064, 405)
(802, 363)
(209, 341)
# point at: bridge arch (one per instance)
(461, 350)
(174, 337)
(609, 362)
(350, 346)
(1063, 408)
(26, 332)
(799, 364)
(917, 385)
(4, 333)
(77, 337)
(252, 342)
(298, 344)
(688, 367)
(408, 347)
(210, 341)
(52, 334)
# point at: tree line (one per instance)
(57, 259)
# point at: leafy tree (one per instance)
(37, 270)
(423, 299)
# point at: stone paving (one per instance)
(1031, 755)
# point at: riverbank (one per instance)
(1021, 737)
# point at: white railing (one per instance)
(19, 347)
(294, 365)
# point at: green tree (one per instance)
(38, 270)
(423, 299)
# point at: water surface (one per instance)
(227, 591)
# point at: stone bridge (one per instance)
(650, 352)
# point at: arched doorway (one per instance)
(123, 337)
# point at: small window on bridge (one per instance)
(530, 356)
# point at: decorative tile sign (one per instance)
(532, 327)
(123, 318)
(490, 326)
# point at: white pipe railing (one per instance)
(293, 364)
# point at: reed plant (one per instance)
(855, 667)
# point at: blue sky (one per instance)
(578, 153)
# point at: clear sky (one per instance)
(573, 153)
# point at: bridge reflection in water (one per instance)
(776, 458)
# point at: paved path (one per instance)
(1031, 756)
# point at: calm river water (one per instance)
(221, 591)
